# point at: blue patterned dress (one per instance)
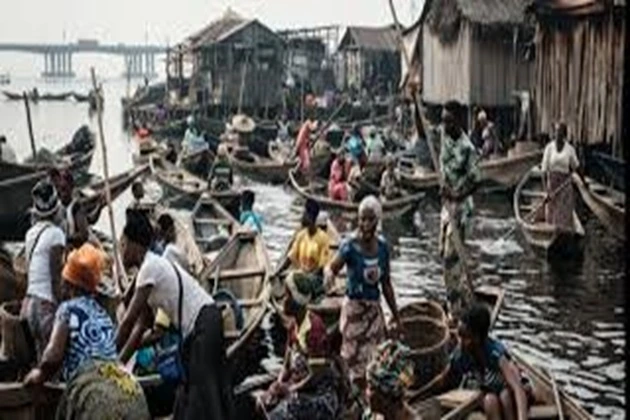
(91, 333)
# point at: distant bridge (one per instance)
(139, 60)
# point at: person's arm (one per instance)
(512, 378)
(471, 182)
(134, 311)
(52, 357)
(56, 266)
(136, 337)
(335, 266)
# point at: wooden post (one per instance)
(30, 124)
(99, 113)
(242, 87)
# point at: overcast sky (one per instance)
(162, 20)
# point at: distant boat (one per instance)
(5, 79)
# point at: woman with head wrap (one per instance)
(388, 375)
(307, 387)
(366, 256)
(205, 391)
(82, 345)
(310, 250)
(221, 176)
(44, 247)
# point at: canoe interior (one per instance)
(348, 210)
(262, 169)
(459, 403)
(606, 203)
(241, 268)
(212, 224)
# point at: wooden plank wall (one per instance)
(446, 67)
(579, 78)
(496, 72)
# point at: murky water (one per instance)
(569, 319)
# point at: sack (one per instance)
(168, 360)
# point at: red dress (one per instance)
(337, 187)
(302, 145)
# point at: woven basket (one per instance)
(14, 343)
(428, 340)
(427, 308)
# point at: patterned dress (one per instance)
(458, 164)
(319, 399)
(97, 386)
(362, 324)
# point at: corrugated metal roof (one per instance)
(380, 39)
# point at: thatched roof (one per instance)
(369, 38)
(443, 17)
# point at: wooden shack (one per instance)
(474, 52)
(579, 69)
(236, 61)
(370, 58)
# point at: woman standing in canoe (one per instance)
(302, 145)
(367, 258)
(559, 161)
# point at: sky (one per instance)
(164, 22)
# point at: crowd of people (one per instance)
(169, 323)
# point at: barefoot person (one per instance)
(481, 362)
(367, 258)
(458, 164)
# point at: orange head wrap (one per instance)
(84, 267)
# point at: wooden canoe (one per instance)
(320, 160)
(504, 171)
(391, 208)
(180, 187)
(16, 183)
(328, 308)
(21, 403)
(459, 403)
(606, 203)
(541, 235)
(92, 198)
(261, 169)
(241, 268)
(212, 225)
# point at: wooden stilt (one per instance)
(120, 272)
(30, 125)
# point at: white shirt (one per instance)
(39, 276)
(174, 254)
(564, 161)
(8, 154)
(159, 272)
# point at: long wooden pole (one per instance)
(242, 87)
(30, 124)
(421, 122)
(120, 272)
